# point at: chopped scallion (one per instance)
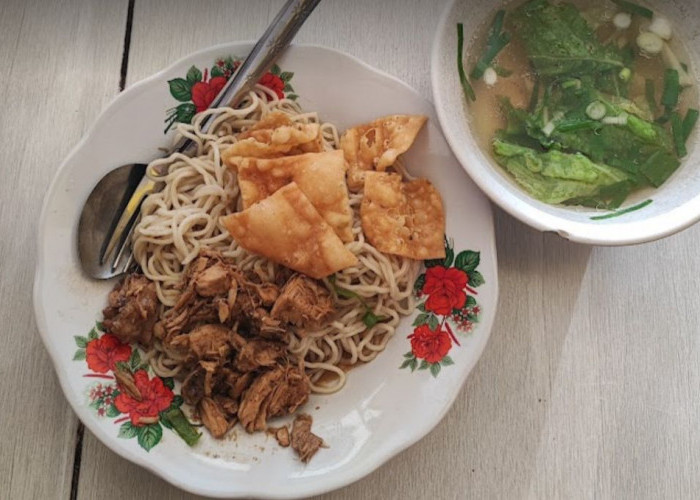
(575, 125)
(466, 87)
(181, 425)
(490, 77)
(622, 119)
(622, 20)
(651, 95)
(618, 213)
(369, 318)
(672, 90)
(634, 8)
(501, 71)
(548, 129)
(596, 110)
(535, 97)
(691, 118)
(677, 130)
(650, 43)
(570, 84)
(671, 61)
(662, 27)
(497, 40)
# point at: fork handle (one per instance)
(266, 51)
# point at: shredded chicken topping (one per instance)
(231, 332)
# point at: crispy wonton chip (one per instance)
(403, 218)
(320, 176)
(376, 145)
(273, 119)
(287, 229)
(274, 136)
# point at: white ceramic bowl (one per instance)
(676, 204)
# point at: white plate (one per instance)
(674, 206)
(381, 411)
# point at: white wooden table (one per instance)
(588, 388)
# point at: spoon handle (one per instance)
(266, 51)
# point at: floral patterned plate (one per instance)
(386, 406)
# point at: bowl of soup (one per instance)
(576, 117)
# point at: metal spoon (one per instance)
(112, 210)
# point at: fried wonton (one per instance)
(276, 135)
(287, 229)
(376, 145)
(404, 219)
(273, 119)
(320, 176)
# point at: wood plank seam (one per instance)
(77, 456)
(127, 44)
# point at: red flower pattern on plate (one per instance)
(155, 397)
(104, 353)
(204, 92)
(274, 83)
(447, 291)
(141, 416)
(430, 345)
(197, 90)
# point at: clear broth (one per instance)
(486, 116)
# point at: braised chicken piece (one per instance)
(281, 435)
(214, 291)
(228, 405)
(210, 342)
(256, 354)
(303, 302)
(212, 281)
(292, 392)
(178, 345)
(201, 381)
(304, 442)
(213, 417)
(212, 375)
(275, 393)
(238, 383)
(253, 410)
(132, 310)
(267, 326)
(231, 332)
(193, 387)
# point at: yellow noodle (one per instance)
(183, 218)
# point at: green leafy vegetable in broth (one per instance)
(559, 42)
(587, 136)
(626, 146)
(553, 176)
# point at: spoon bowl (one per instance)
(100, 216)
